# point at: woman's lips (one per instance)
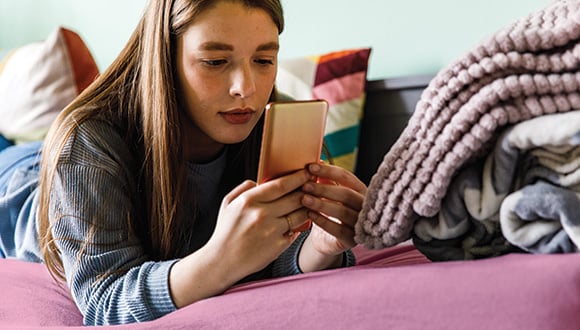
(238, 117)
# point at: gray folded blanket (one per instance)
(528, 69)
(524, 195)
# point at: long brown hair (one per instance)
(137, 94)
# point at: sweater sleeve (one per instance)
(92, 204)
(111, 279)
(287, 263)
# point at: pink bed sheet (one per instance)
(395, 288)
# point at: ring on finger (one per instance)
(289, 222)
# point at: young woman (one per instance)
(145, 200)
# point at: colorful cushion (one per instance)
(338, 77)
(38, 80)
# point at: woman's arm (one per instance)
(110, 276)
(92, 202)
(250, 233)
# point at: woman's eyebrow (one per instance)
(268, 46)
(215, 45)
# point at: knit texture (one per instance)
(525, 70)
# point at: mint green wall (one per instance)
(408, 37)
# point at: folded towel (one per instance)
(521, 196)
(525, 70)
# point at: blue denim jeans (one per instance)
(19, 165)
(4, 143)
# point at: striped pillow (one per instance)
(339, 78)
(38, 80)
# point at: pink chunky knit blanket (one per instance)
(525, 70)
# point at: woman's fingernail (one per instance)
(307, 200)
(308, 187)
(314, 168)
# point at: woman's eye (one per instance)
(214, 63)
(264, 61)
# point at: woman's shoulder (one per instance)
(96, 142)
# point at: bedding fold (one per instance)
(523, 196)
(527, 70)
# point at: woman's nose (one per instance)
(243, 82)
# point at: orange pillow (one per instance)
(38, 80)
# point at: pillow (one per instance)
(338, 77)
(38, 80)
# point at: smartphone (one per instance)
(292, 137)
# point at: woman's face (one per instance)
(227, 64)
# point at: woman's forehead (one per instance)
(228, 24)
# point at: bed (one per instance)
(401, 279)
(395, 288)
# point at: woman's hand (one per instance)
(252, 229)
(252, 224)
(334, 202)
